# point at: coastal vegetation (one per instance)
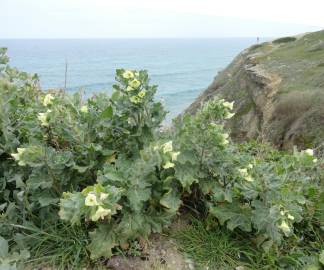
(84, 180)
(284, 40)
(278, 92)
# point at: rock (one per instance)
(278, 91)
(162, 253)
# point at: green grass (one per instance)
(58, 245)
(296, 57)
(213, 249)
(220, 249)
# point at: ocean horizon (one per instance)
(182, 68)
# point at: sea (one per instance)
(182, 68)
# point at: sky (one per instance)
(158, 18)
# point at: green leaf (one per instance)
(47, 200)
(72, 207)
(39, 179)
(103, 240)
(111, 175)
(4, 248)
(186, 174)
(137, 197)
(312, 267)
(171, 200)
(187, 156)
(132, 226)
(234, 215)
(81, 169)
(115, 96)
(107, 113)
(265, 220)
(158, 219)
(321, 257)
(266, 245)
(218, 192)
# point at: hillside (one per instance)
(278, 89)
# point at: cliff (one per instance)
(278, 89)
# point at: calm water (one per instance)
(182, 68)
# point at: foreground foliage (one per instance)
(216, 247)
(100, 174)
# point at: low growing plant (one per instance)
(268, 194)
(100, 170)
(53, 143)
(284, 40)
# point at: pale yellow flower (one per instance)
(21, 163)
(103, 196)
(290, 217)
(174, 156)
(101, 213)
(315, 160)
(18, 155)
(250, 166)
(91, 199)
(225, 135)
(228, 105)
(142, 93)
(84, 109)
(243, 172)
(167, 147)
(135, 83)
(135, 99)
(229, 115)
(43, 118)
(128, 74)
(284, 227)
(168, 165)
(309, 152)
(129, 88)
(225, 142)
(225, 139)
(48, 100)
(21, 150)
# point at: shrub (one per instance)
(265, 195)
(133, 198)
(56, 143)
(284, 40)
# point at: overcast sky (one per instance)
(158, 18)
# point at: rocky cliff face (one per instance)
(278, 89)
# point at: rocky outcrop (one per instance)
(278, 89)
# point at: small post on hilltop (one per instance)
(65, 77)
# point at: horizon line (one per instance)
(85, 38)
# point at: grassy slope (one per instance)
(299, 63)
(279, 91)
